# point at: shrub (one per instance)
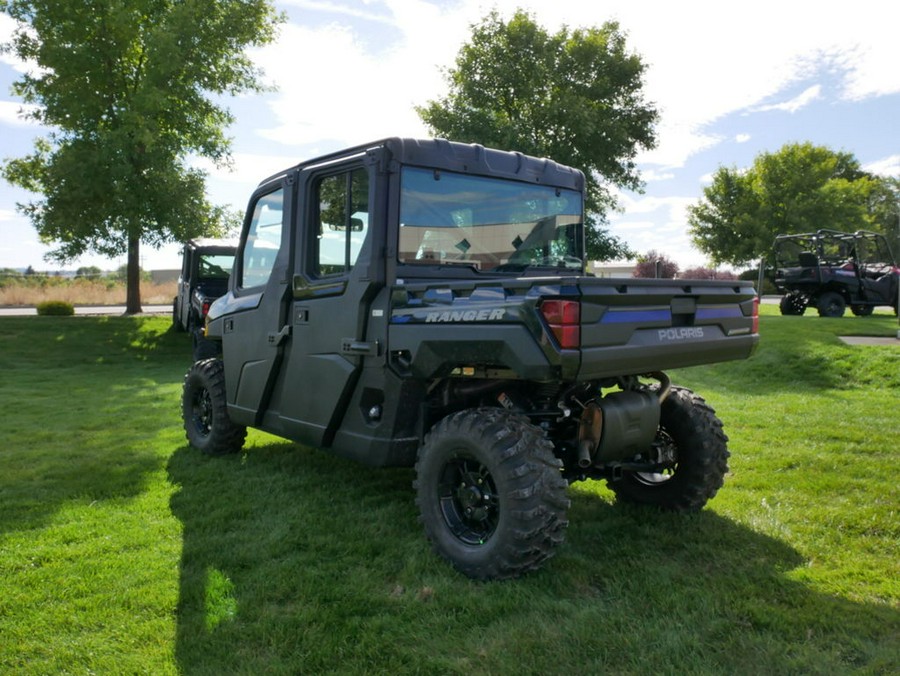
(647, 266)
(707, 273)
(56, 308)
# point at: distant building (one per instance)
(164, 276)
(611, 269)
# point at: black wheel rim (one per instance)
(468, 500)
(201, 411)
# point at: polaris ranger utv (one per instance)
(424, 303)
(831, 270)
(205, 266)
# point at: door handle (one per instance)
(276, 339)
(360, 348)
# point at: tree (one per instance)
(127, 86)
(800, 188)
(884, 206)
(702, 272)
(88, 272)
(121, 274)
(655, 265)
(575, 96)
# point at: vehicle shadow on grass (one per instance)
(294, 561)
(730, 585)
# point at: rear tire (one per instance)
(792, 304)
(491, 494)
(831, 304)
(692, 436)
(176, 319)
(862, 310)
(204, 411)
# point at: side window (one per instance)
(342, 203)
(263, 240)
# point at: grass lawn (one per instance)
(124, 552)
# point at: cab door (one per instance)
(339, 273)
(254, 313)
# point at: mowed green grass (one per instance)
(124, 552)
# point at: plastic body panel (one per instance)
(628, 327)
(348, 362)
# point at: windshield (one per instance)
(215, 266)
(488, 224)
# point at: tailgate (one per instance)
(632, 326)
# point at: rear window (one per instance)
(486, 223)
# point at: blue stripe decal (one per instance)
(629, 316)
(718, 312)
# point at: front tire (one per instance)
(490, 492)
(692, 437)
(204, 411)
(792, 304)
(831, 304)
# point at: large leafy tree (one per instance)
(130, 91)
(884, 208)
(800, 188)
(575, 96)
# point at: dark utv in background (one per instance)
(205, 267)
(424, 303)
(831, 270)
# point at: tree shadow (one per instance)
(82, 405)
(294, 561)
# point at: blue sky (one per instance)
(730, 80)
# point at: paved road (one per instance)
(91, 310)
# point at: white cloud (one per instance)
(654, 176)
(676, 143)
(246, 168)
(335, 8)
(658, 223)
(11, 112)
(333, 87)
(797, 103)
(708, 59)
(888, 166)
(7, 29)
(742, 138)
(871, 65)
(341, 98)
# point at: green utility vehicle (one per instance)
(424, 303)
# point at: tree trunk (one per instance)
(133, 277)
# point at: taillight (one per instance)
(755, 315)
(205, 307)
(564, 319)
